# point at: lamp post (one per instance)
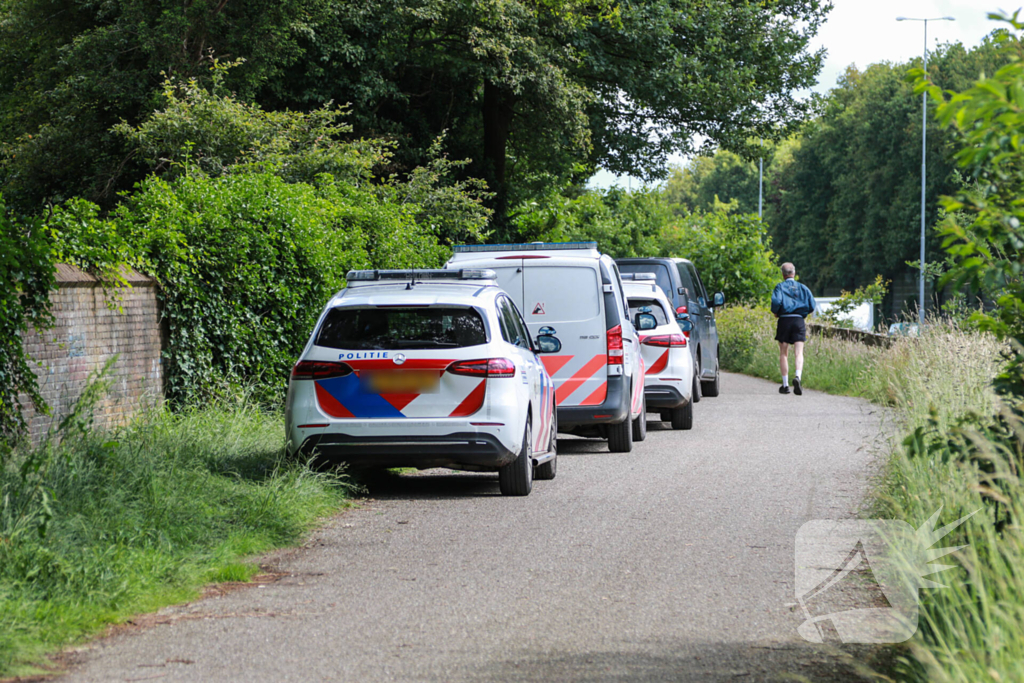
(760, 180)
(924, 152)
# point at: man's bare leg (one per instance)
(784, 363)
(798, 351)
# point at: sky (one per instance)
(863, 32)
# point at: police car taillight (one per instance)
(615, 353)
(484, 367)
(320, 369)
(665, 340)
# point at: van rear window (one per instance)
(415, 327)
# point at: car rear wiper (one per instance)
(420, 343)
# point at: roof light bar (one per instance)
(421, 274)
(528, 246)
(639, 277)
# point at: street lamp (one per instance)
(924, 151)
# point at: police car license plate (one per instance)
(403, 382)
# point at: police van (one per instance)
(573, 292)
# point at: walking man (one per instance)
(791, 303)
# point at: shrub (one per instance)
(743, 332)
(246, 263)
(27, 271)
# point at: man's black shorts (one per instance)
(791, 329)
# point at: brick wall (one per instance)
(87, 332)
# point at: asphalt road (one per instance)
(671, 563)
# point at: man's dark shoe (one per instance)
(797, 389)
(783, 390)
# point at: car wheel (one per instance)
(620, 436)
(682, 417)
(640, 423)
(516, 478)
(548, 470)
(711, 388)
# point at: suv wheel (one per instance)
(640, 423)
(516, 478)
(620, 436)
(710, 388)
(682, 417)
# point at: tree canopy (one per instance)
(842, 197)
(532, 91)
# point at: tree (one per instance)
(528, 88)
(725, 176)
(843, 200)
(533, 91)
(732, 250)
(988, 251)
(71, 70)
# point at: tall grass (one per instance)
(110, 523)
(958, 448)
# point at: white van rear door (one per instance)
(569, 299)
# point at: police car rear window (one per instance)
(427, 327)
(656, 309)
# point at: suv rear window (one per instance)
(656, 309)
(414, 327)
(660, 270)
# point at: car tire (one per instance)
(620, 436)
(516, 478)
(695, 393)
(640, 423)
(682, 417)
(710, 388)
(547, 471)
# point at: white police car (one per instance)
(426, 368)
(669, 379)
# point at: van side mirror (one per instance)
(719, 299)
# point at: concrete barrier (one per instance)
(867, 338)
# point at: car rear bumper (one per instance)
(662, 396)
(614, 410)
(474, 449)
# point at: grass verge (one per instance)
(962, 451)
(112, 523)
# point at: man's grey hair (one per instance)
(788, 269)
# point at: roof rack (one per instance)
(421, 274)
(526, 246)
(639, 277)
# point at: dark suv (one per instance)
(683, 286)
